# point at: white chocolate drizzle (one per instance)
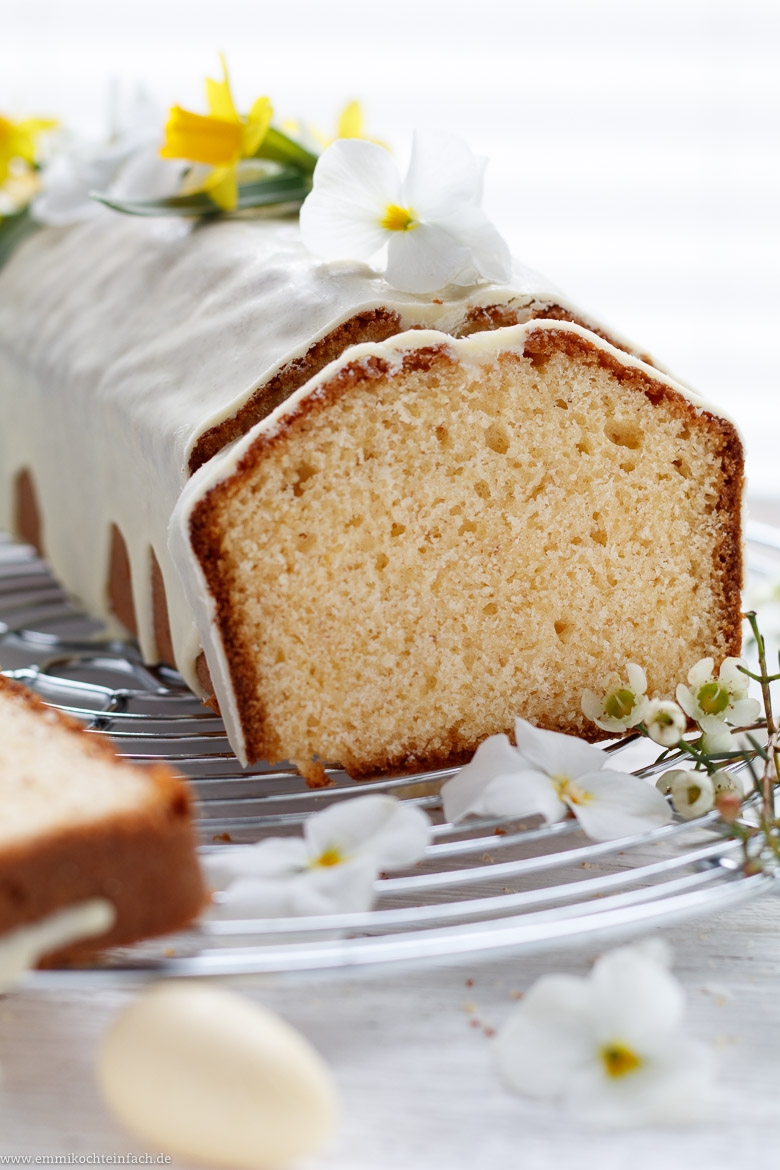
(22, 948)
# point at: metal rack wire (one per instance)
(482, 887)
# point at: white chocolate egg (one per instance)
(209, 1075)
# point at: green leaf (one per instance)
(288, 188)
(13, 230)
(279, 148)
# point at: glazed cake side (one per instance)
(434, 536)
(79, 823)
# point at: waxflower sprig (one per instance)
(726, 743)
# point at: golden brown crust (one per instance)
(27, 515)
(144, 861)
(205, 532)
(375, 325)
(120, 587)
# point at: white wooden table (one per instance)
(414, 1066)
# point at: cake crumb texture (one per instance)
(403, 563)
(78, 823)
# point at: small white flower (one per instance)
(430, 223)
(127, 165)
(724, 698)
(611, 1045)
(551, 774)
(665, 722)
(619, 706)
(693, 793)
(331, 869)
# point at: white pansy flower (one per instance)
(724, 698)
(331, 869)
(665, 722)
(611, 1046)
(692, 793)
(619, 706)
(552, 774)
(430, 223)
(126, 165)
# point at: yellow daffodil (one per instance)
(349, 124)
(18, 141)
(219, 139)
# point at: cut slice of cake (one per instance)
(435, 535)
(79, 824)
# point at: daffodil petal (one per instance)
(257, 126)
(219, 97)
(548, 1038)
(350, 123)
(443, 174)
(619, 805)
(201, 138)
(554, 754)
(223, 188)
(424, 259)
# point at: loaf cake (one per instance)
(371, 527)
(78, 825)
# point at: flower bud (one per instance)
(693, 793)
(665, 722)
(728, 805)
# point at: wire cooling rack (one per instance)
(483, 887)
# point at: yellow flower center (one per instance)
(6, 129)
(712, 698)
(569, 791)
(619, 1060)
(398, 219)
(328, 858)
(620, 703)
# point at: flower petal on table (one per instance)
(548, 1038)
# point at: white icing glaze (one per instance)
(479, 349)
(213, 1077)
(22, 948)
